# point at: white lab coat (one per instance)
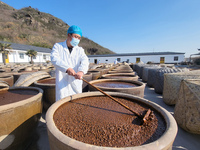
(61, 58)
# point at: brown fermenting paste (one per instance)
(101, 121)
(48, 81)
(112, 84)
(11, 96)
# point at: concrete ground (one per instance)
(183, 141)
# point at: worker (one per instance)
(70, 62)
(115, 62)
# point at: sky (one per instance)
(129, 26)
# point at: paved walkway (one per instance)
(183, 141)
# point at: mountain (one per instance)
(32, 27)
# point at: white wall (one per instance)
(40, 57)
(14, 57)
(1, 60)
(145, 59)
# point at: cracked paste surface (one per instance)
(100, 121)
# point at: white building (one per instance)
(154, 57)
(17, 54)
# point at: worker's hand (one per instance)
(71, 71)
(78, 75)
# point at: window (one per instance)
(21, 55)
(175, 58)
(44, 56)
(34, 57)
(137, 59)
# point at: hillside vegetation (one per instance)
(32, 27)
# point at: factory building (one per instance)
(17, 54)
(153, 57)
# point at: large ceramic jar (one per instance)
(60, 141)
(120, 71)
(28, 69)
(3, 84)
(48, 86)
(7, 78)
(95, 74)
(102, 71)
(123, 67)
(120, 76)
(20, 111)
(117, 85)
(87, 77)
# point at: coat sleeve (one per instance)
(84, 62)
(56, 60)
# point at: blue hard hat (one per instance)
(74, 29)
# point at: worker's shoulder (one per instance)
(60, 43)
(79, 48)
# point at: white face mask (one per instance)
(74, 42)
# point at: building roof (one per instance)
(16, 46)
(195, 54)
(138, 54)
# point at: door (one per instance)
(162, 60)
(95, 61)
(6, 58)
(137, 59)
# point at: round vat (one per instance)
(6, 69)
(120, 71)
(48, 86)
(43, 68)
(102, 71)
(16, 75)
(118, 85)
(20, 111)
(125, 73)
(7, 78)
(87, 77)
(124, 67)
(28, 69)
(95, 74)
(36, 68)
(3, 84)
(97, 113)
(105, 70)
(120, 76)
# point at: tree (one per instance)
(3, 47)
(31, 53)
(92, 51)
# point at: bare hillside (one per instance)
(32, 27)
